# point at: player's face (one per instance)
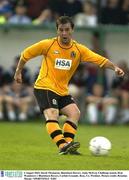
(65, 31)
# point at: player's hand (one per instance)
(119, 71)
(18, 77)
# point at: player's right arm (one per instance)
(37, 49)
(18, 72)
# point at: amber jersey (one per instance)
(59, 63)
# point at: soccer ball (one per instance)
(99, 146)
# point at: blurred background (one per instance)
(101, 25)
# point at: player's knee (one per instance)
(75, 115)
(78, 114)
(51, 113)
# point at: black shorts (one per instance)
(48, 99)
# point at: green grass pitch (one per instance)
(27, 146)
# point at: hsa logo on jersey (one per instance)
(64, 64)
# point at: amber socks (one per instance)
(69, 130)
(55, 132)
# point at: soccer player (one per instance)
(62, 56)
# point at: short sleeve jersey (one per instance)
(59, 63)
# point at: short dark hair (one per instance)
(64, 20)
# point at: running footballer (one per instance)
(61, 57)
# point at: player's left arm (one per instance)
(110, 65)
(89, 56)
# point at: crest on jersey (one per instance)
(73, 54)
